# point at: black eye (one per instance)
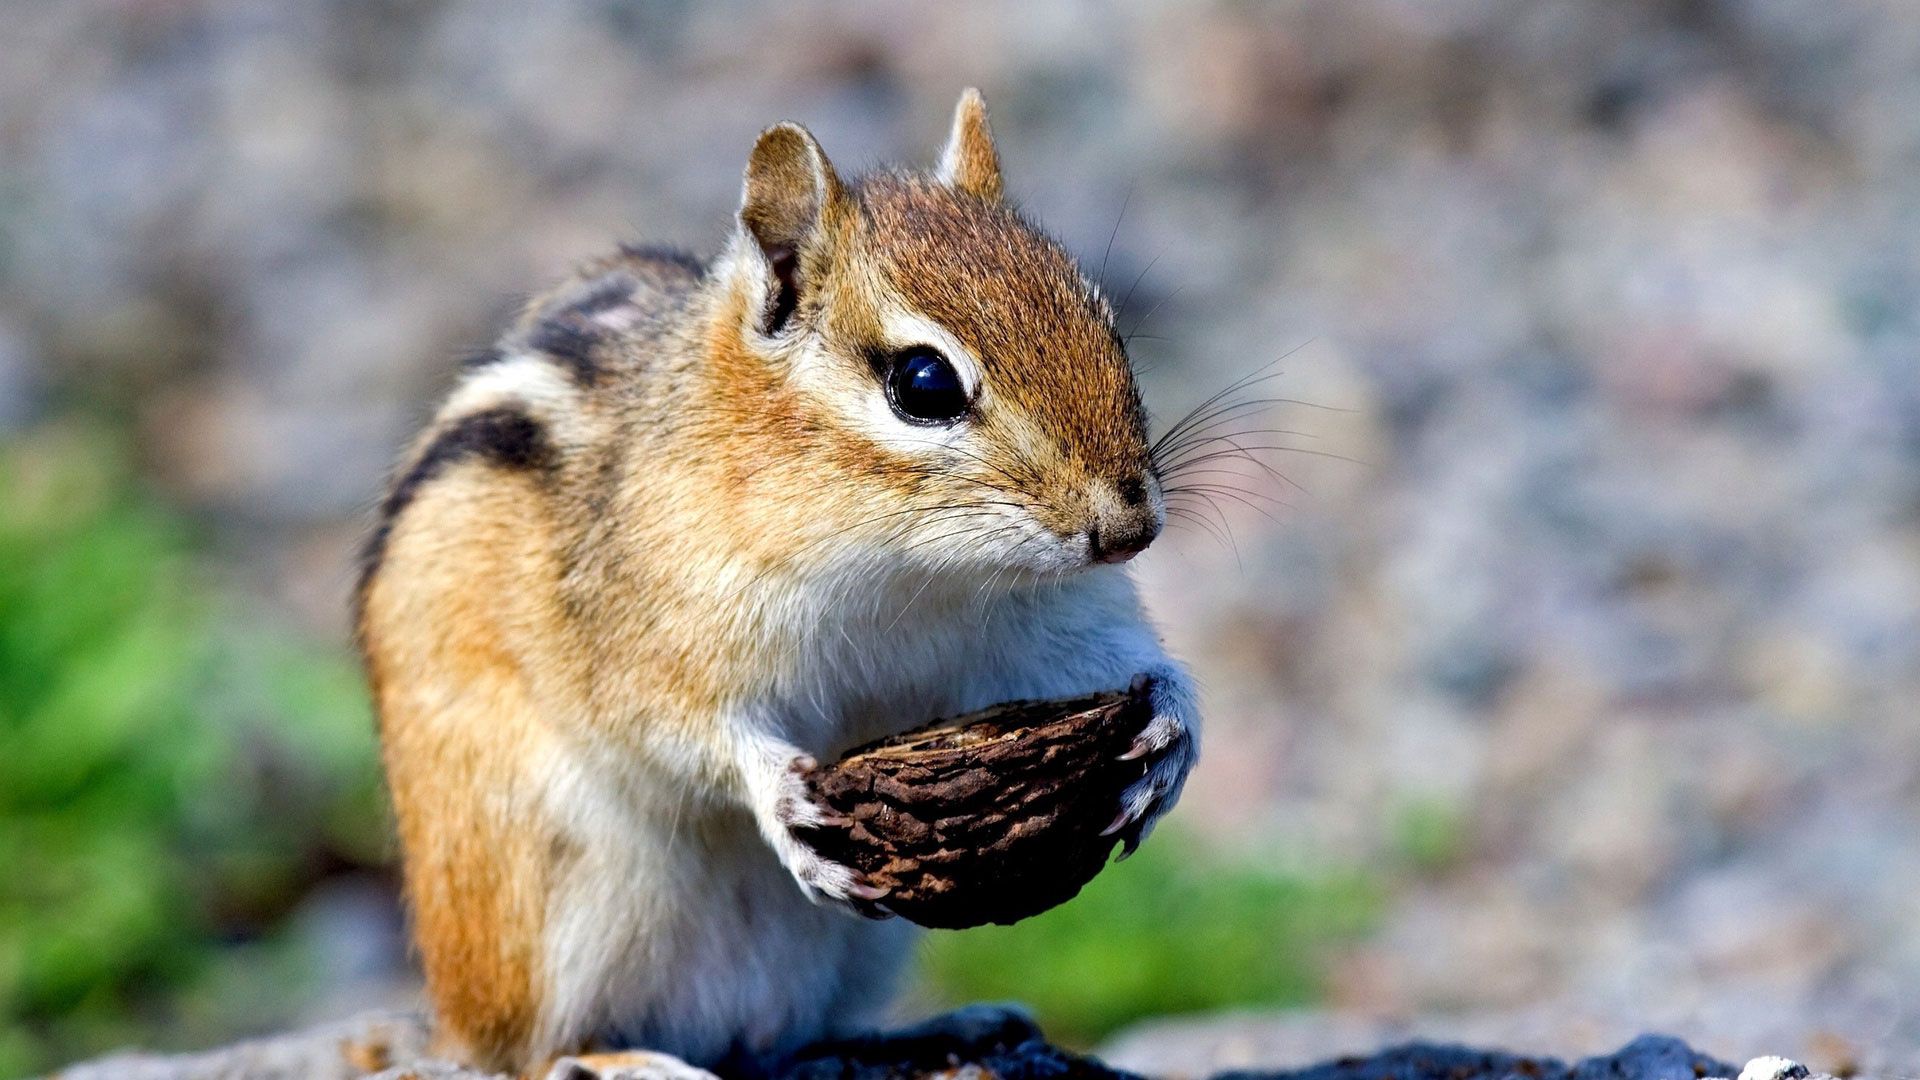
(924, 388)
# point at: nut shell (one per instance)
(989, 817)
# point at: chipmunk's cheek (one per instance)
(1042, 549)
(1073, 554)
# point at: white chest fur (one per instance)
(675, 928)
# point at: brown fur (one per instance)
(608, 592)
(476, 875)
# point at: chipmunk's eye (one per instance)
(924, 388)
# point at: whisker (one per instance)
(1122, 216)
(1246, 452)
(1200, 422)
(1201, 419)
(1244, 498)
(1203, 436)
(1194, 518)
(1198, 413)
(1238, 453)
(1136, 285)
(1223, 404)
(1157, 305)
(1220, 469)
(1219, 518)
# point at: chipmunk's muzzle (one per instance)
(1123, 526)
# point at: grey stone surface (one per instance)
(1833, 1034)
(981, 1041)
(349, 1049)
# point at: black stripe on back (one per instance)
(570, 341)
(679, 258)
(569, 335)
(608, 291)
(504, 437)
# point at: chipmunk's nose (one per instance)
(1124, 529)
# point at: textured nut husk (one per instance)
(989, 817)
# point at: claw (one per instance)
(862, 889)
(1118, 824)
(1131, 842)
(1140, 748)
(867, 909)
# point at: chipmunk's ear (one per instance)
(970, 163)
(790, 196)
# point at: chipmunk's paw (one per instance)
(626, 1065)
(794, 811)
(1170, 744)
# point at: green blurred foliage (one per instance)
(1428, 834)
(1177, 928)
(173, 778)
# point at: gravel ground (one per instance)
(1601, 624)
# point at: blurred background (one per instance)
(1569, 685)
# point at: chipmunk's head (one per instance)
(953, 379)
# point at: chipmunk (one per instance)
(691, 524)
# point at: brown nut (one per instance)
(989, 817)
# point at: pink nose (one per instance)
(1119, 542)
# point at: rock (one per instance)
(363, 1045)
(1774, 1068)
(990, 817)
(1650, 1057)
(1828, 1034)
(979, 1041)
